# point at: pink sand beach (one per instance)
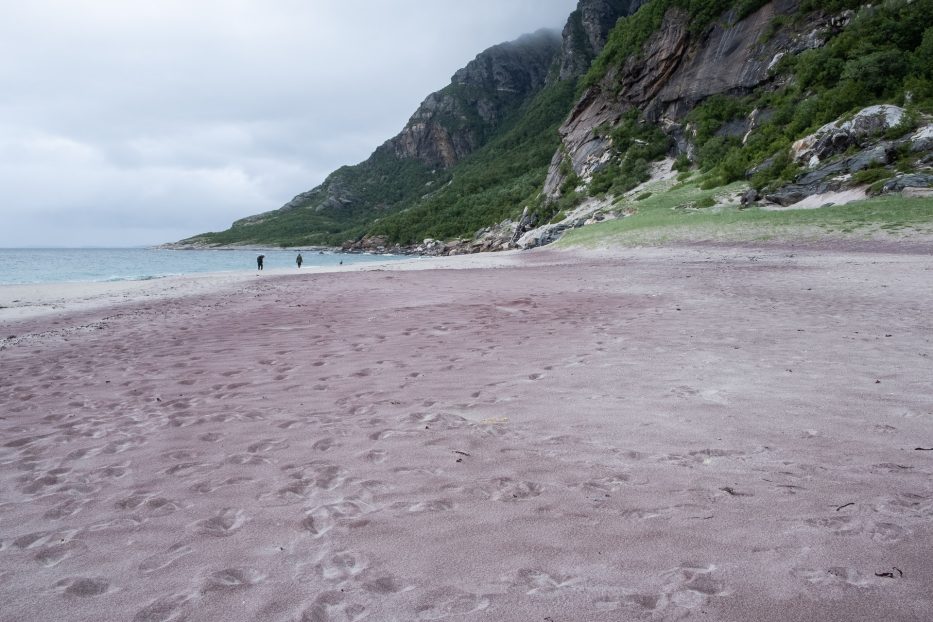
(694, 433)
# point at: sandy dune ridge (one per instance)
(649, 434)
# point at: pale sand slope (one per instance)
(659, 434)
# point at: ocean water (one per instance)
(58, 265)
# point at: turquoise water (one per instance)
(57, 265)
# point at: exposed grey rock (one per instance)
(543, 235)
(823, 173)
(749, 196)
(877, 155)
(787, 195)
(922, 139)
(839, 135)
(831, 176)
(913, 180)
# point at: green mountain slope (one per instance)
(491, 184)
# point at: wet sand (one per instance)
(653, 434)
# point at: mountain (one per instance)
(549, 131)
(482, 100)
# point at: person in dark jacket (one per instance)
(259, 262)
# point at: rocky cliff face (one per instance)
(454, 121)
(676, 71)
(586, 32)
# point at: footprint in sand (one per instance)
(417, 507)
(112, 471)
(225, 523)
(534, 581)
(444, 421)
(324, 444)
(37, 484)
(164, 609)
(449, 602)
(35, 539)
(386, 585)
(838, 525)
(83, 586)
(835, 576)
(687, 587)
(342, 566)
(693, 583)
(888, 533)
(325, 517)
(66, 509)
(159, 561)
(506, 489)
(230, 579)
(267, 445)
(610, 483)
(55, 554)
(331, 607)
(209, 486)
(148, 504)
(907, 504)
(376, 456)
(248, 460)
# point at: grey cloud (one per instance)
(122, 123)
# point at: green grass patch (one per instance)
(674, 216)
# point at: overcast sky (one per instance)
(129, 122)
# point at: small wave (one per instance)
(144, 277)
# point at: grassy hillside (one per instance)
(381, 182)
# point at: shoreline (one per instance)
(20, 302)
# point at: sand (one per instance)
(643, 434)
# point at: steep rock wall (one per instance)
(676, 71)
(586, 32)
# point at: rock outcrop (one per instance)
(835, 152)
(586, 32)
(838, 136)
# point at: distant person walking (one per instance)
(298, 260)
(259, 262)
